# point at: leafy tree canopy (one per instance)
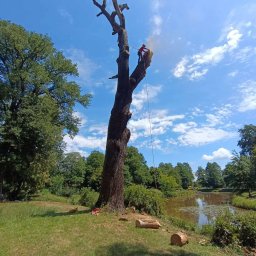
(136, 165)
(36, 106)
(214, 175)
(186, 174)
(247, 141)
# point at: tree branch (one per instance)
(119, 13)
(103, 10)
(140, 71)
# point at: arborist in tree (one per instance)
(141, 52)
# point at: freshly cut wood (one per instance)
(147, 223)
(179, 238)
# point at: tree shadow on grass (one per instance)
(53, 213)
(126, 249)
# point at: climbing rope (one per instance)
(151, 135)
(150, 127)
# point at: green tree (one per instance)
(136, 165)
(247, 141)
(72, 168)
(214, 176)
(167, 184)
(168, 169)
(186, 174)
(201, 177)
(240, 174)
(36, 106)
(93, 170)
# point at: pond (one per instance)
(200, 208)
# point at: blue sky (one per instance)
(201, 84)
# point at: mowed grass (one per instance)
(49, 228)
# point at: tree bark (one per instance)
(112, 187)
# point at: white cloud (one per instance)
(196, 66)
(158, 124)
(245, 54)
(248, 96)
(203, 135)
(219, 115)
(220, 153)
(180, 69)
(233, 73)
(79, 143)
(184, 127)
(86, 67)
(148, 92)
(212, 128)
(99, 129)
(197, 111)
(65, 14)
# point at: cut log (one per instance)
(179, 239)
(147, 224)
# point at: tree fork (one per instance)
(112, 187)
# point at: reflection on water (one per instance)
(201, 208)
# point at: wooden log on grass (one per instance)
(179, 238)
(147, 223)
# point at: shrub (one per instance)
(225, 229)
(75, 199)
(88, 197)
(207, 229)
(230, 228)
(148, 200)
(247, 230)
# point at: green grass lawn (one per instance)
(48, 228)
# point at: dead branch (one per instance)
(103, 10)
(119, 13)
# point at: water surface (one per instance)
(201, 208)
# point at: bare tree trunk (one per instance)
(112, 187)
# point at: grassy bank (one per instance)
(49, 228)
(243, 201)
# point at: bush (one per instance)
(230, 228)
(206, 229)
(75, 199)
(247, 230)
(88, 197)
(225, 229)
(148, 200)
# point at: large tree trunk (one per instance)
(118, 134)
(112, 187)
